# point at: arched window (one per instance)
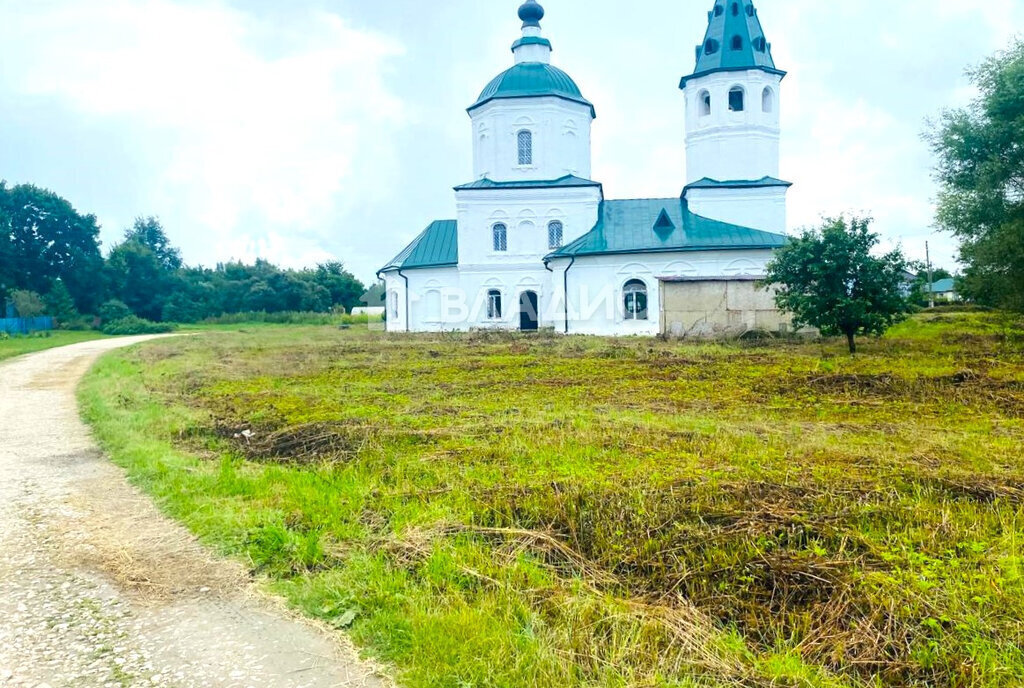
(735, 9)
(494, 304)
(393, 305)
(710, 46)
(736, 99)
(719, 10)
(760, 44)
(767, 100)
(634, 298)
(555, 234)
(750, 10)
(737, 43)
(704, 103)
(432, 306)
(525, 147)
(500, 237)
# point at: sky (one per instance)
(315, 130)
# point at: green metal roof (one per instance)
(639, 226)
(560, 183)
(532, 80)
(708, 183)
(734, 41)
(437, 246)
(944, 285)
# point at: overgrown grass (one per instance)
(291, 318)
(16, 345)
(500, 510)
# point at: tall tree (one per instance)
(142, 270)
(59, 303)
(148, 232)
(829, 279)
(981, 171)
(344, 289)
(43, 238)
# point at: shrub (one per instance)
(81, 323)
(114, 310)
(134, 325)
(28, 303)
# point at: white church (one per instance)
(535, 244)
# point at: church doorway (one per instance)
(529, 320)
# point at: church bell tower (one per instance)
(733, 103)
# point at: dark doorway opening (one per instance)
(529, 320)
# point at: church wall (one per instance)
(526, 213)
(427, 287)
(561, 139)
(760, 207)
(596, 285)
(510, 281)
(456, 299)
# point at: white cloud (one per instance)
(261, 132)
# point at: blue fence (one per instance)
(25, 325)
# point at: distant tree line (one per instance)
(50, 262)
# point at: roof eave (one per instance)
(707, 72)
(738, 184)
(579, 101)
(536, 185)
(673, 249)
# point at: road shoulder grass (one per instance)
(18, 345)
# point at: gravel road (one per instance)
(97, 588)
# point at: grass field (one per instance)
(499, 510)
(18, 345)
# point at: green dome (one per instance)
(532, 80)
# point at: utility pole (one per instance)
(931, 282)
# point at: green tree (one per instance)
(28, 303)
(342, 286)
(142, 270)
(829, 279)
(148, 232)
(980, 152)
(59, 303)
(43, 238)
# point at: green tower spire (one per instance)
(734, 41)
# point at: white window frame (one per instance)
(630, 290)
(552, 242)
(704, 103)
(494, 304)
(743, 98)
(393, 304)
(525, 152)
(502, 245)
